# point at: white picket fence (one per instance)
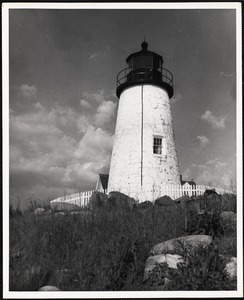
(173, 191)
(81, 199)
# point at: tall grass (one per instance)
(107, 250)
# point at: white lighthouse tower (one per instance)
(144, 154)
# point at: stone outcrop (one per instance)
(165, 201)
(97, 200)
(210, 192)
(49, 288)
(171, 259)
(145, 204)
(175, 246)
(64, 206)
(231, 267)
(61, 213)
(117, 200)
(65, 279)
(39, 211)
(184, 200)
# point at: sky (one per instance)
(62, 103)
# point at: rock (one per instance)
(175, 246)
(65, 279)
(210, 192)
(61, 213)
(183, 200)
(231, 267)
(207, 202)
(228, 216)
(39, 211)
(117, 200)
(97, 200)
(48, 288)
(152, 261)
(145, 204)
(165, 201)
(64, 206)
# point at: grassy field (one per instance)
(107, 250)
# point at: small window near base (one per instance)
(157, 145)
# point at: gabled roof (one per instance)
(104, 180)
(191, 182)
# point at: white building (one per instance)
(144, 155)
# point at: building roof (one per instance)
(104, 180)
(191, 182)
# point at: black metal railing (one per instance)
(160, 75)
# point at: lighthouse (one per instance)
(144, 155)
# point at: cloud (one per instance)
(203, 140)
(55, 148)
(85, 104)
(217, 164)
(214, 172)
(105, 112)
(99, 96)
(217, 123)
(176, 98)
(28, 91)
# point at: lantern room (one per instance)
(144, 67)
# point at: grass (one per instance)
(107, 250)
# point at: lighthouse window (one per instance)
(157, 145)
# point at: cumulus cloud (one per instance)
(217, 123)
(85, 104)
(105, 112)
(203, 140)
(55, 148)
(28, 91)
(214, 173)
(99, 96)
(176, 98)
(216, 163)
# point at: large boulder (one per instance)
(153, 261)
(176, 246)
(65, 279)
(97, 200)
(210, 192)
(64, 206)
(117, 200)
(183, 200)
(208, 202)
(48, 288)
(231, 267)
(145, 204)
(39, 211)
(165, 201)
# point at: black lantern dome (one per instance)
(145, 67)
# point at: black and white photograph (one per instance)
(122, 150)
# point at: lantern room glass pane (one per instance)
(142, 61)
